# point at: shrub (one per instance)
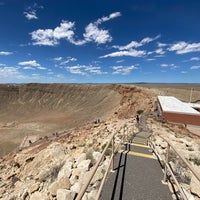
(195, 160)
(139, 112)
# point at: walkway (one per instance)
(137, 175)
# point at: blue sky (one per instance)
(76, 41)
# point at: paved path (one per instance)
(137, 175)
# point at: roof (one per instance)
(193, 105)
(172, 104)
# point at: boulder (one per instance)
(63, 194)
(33, 188)
(96, 156)
(98, 175)
(39, 195)
(81, 158)
(66, 170)
(84, 165)
(195, 186)
(92, 195)
(76, 187)
(62, 183)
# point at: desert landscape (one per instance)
(73, 122)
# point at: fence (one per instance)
(110, 165)
(168, 168)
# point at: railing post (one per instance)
(166, 162)
(113, 149)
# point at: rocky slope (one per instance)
(56, 166)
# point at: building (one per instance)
(176, 111)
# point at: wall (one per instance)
(182, 118)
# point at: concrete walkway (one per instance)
(137, 175)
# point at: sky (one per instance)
(90, 41)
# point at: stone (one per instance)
(195, 186)
(98, 175)
(76, 187)
(96, 156)
(25, 194)
(34, 187)
(92, 195)
(62, 183)
(66, 170)
(73, 179)
(84, 165)
(39, 196)
(63, 194)
(81, 158)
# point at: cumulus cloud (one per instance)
(135, 44)
(30, 12)
(69, 59)
(171, 66)
(5, 53)
(160, 51)
(85, 70)
(195, 58)
(10, 74)
(184, 47)
(161, 44)
(57, 59)
(52, 37)
(183, 72)
(93, 33)
(30, 15)
(195, 67)
(132, 53)
(31, 64)
(123, 70)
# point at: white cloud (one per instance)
(30, 12)
(29, 67)
(151, 59)
(32, 63)
(124, 70)
(161, 44)
(111, 16)
(76, 70)
(183, 47)
(11, 74)
(195, 67)
(69, 59)
(42, 68)
(132, 53)
(30, 15)
(135, 44)
(164, 65)
(52, 37)
(195, 58)
(172, 66)
(5, 53)
(85, 70)
(119, 61)
(183, 72)
(93, 33)
(160, 51)
(58, 59)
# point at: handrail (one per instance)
(95, 167)
(197, 175)
(167, 166)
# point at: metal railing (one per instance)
(110, 165)
(168, 168)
